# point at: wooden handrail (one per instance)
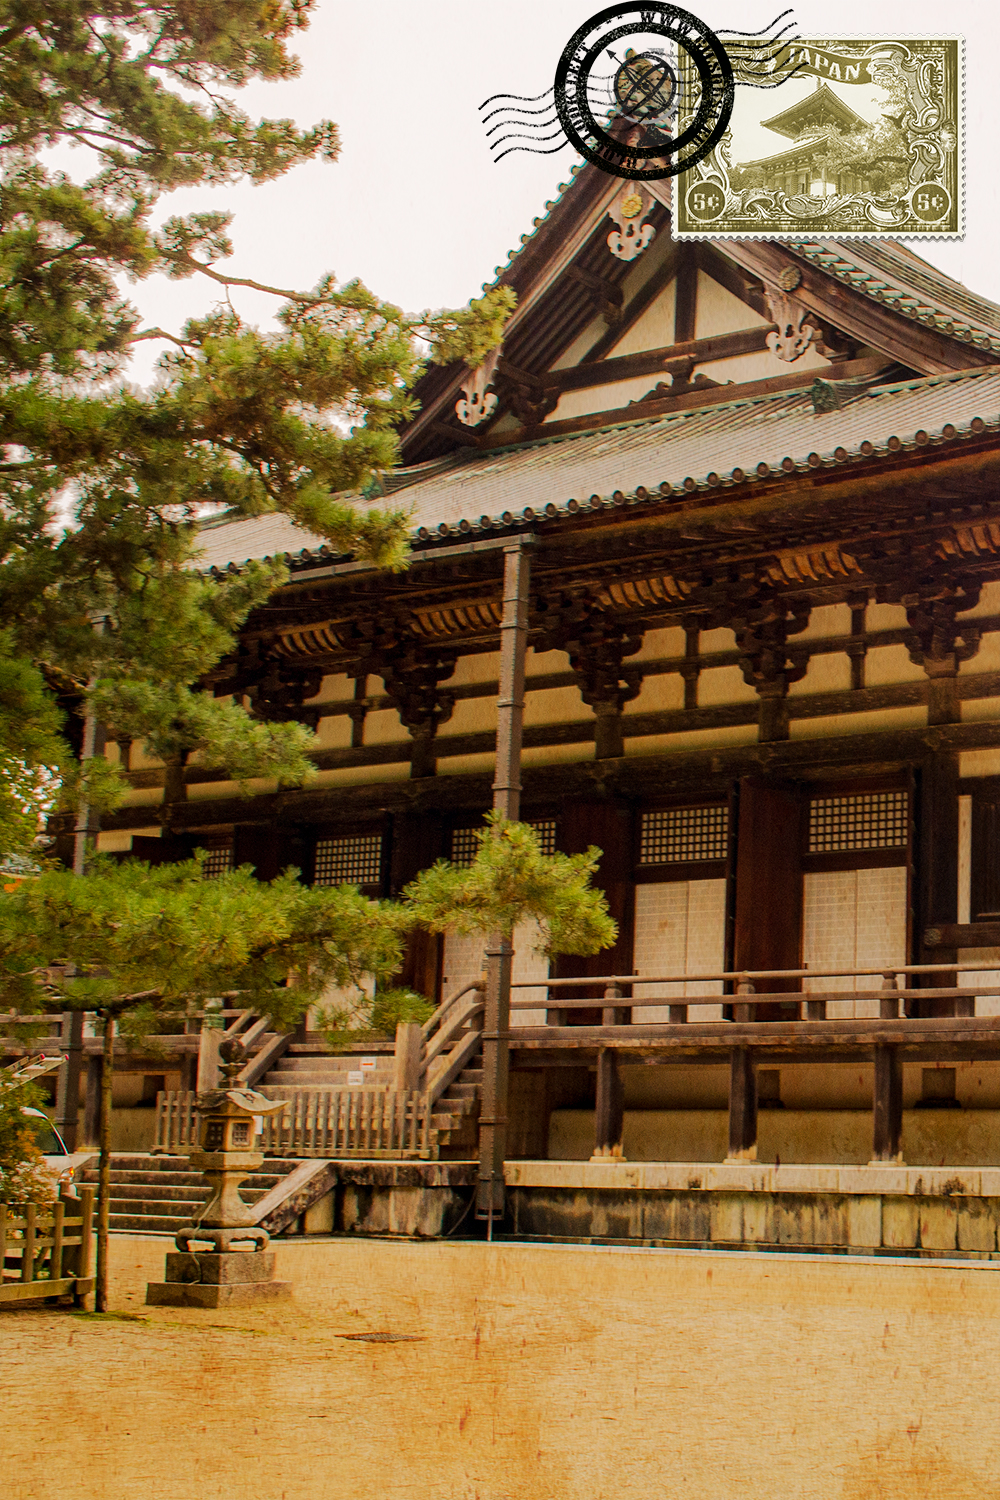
(760, 997)
(741, 975)
(458, 1058)
(455, 1029)
(433, 1022)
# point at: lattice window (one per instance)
(464, 841)
(684, 835)
(866, 820)
(349, 861)
(219, 861)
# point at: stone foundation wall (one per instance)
(876, 1210)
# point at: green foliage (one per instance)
(149, 940)
(473, 331)
(24, 1177)
(392, 1007)
(371, 1017)
(511, 881)
(174, 720)
(240, 421)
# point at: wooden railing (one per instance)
(805, 1033)
(176, 1121)
(348, 1122)
(451, 1039)
(46, 1252)
(317, 1122)
(744, 997)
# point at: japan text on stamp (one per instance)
(849, 137)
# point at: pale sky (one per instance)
(415, 206)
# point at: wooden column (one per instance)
(742, 1105)
(609, 1119)
(417, 840)
(499, 954)
(68, 1086)
(609, 825)
(92, 1105)
(610, 1112)
(937, 871)
(888, 1105)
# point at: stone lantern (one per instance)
(222, 1276)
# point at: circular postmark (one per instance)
(644, 93)
(645, 86)
(930, 202)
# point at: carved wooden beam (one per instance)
(597, 648)
(608, 297)
(766, 661)
(939, 642)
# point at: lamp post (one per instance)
(223, 1276)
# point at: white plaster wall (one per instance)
(826, 620)
(334, 732)
(679, 929)
(464, 961)
(658, 694)
(884, 664)
(481, 667)
(987, 658)
(825, 674)
(853, 917)
(334, 688)
(653, 330)
(670, 641)
(724, 685)
(719, 311)
(870, 720)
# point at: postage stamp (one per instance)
(847, 137)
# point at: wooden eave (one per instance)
(927, 350)
(574, 232)
(812, 534)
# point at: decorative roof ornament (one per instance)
(628, 210)
(796, 329)
(477, 401)
(825, 396)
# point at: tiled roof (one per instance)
(890, 273)
(732, 445)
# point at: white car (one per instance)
(50, 1143)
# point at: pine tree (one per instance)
(510, 881)
(107, 607)
(134, 945)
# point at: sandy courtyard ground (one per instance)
(528, 1373)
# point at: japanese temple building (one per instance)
(801, 167)
(755, 488)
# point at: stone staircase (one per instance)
(309, 1065)
(160, 1193)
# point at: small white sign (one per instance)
(355, 1076)
(368, 1064)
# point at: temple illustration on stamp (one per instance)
(866, 140)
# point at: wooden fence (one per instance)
(380, 1122)
(46, 1252)
(176, 1121)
